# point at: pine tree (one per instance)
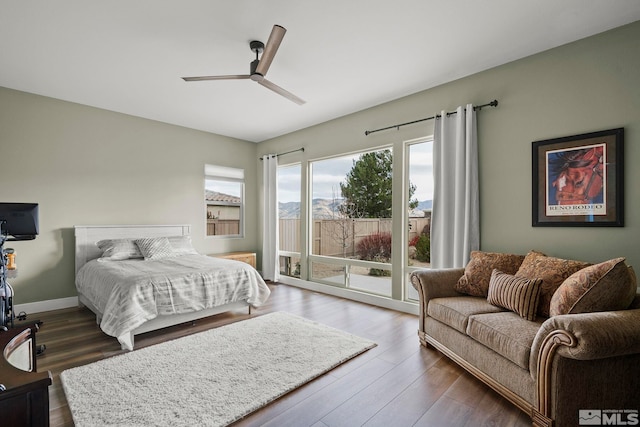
(367, 187)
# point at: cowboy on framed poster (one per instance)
(577, 180)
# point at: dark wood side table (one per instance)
(24, 394)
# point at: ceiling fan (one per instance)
(259, 67)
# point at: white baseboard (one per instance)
(48, 305)
(406, 307)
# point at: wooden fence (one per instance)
(223, 227)
(339, 237)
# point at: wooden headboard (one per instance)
(88, 235)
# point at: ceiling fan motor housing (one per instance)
(256, 77)
(257, 47)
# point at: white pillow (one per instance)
(156, 248)
(182, 245)
(118, 249)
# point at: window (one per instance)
(289, 185)
(224, 201)
(419, 200)
(351, 221)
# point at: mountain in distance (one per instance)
(328, 208)
(289, 210)
(425, 205)
(322, 209)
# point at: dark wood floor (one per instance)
(398, 383)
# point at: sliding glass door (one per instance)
(289, 203)
(419, 166)
(351, 221)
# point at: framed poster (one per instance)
(578, 180)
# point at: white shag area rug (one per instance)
(212, 378)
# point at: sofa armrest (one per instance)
(590, 342)
(596, 335)
(436, 283)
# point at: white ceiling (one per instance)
(341, 56)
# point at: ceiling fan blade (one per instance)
(270, 49)
(277, 89)
(231, 77)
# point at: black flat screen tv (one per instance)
(19, 221)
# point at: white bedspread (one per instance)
(128, 293)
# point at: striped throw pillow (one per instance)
(515, 293)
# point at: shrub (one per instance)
(378, 272)
(423, 248)
(375, 247)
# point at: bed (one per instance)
(164, 284)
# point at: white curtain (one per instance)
(455, 221)
(270, 261)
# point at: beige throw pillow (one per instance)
(552, 271)
(477, 273)
(607, 286)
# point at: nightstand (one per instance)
(248, 257)
(24, 394)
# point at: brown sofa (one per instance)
(553, 368)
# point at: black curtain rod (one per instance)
(282, 154)
(493, 103)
